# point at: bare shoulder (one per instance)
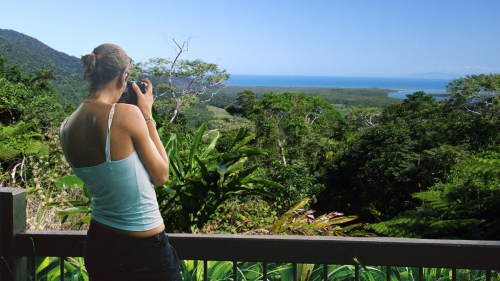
(128, 117)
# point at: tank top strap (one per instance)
(110, 120)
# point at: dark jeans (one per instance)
(111, 256)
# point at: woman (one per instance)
(115, 150)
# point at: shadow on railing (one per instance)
(17, 245)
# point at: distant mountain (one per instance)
(434, 75)
(50, 56)
(25, 61)
(29, 54)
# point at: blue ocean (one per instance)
(403, 85)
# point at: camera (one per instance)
(129, 96)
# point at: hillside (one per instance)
(29, 54)
(49, 56)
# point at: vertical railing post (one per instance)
(12, 221)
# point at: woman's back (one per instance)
(84, 137)
(122, 194)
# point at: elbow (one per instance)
(160, 176)
(160, 180)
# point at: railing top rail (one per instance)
(469, 254)
(370, 240)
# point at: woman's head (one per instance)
(103, 65)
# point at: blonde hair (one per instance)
(105, 63)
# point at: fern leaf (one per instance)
(7, 153)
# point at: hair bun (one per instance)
(89, 61)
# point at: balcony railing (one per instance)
(17, 245)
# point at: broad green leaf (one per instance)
(278, 225)
(204, 171)
(236, 165)
(86, 219)
(68, 182)
(177, 174)
(249, 191)
(171, 149)
(154, 112)
(240, 134)
(211, 158)
(319, 224)
(242, 143)
(210, 147)
(76, 203)
(43, 264)
(243, 174)
(194, 146)
(86, 193)
(75, 210)
(262, 181)
(165, 190)
(253, 151)
(343, 219)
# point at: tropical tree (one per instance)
(42, 77)
(477, 94)
(246, 101)
(361, 118)
(183, 80)
(284, 123)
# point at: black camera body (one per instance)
(129, 96)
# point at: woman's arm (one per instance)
(146, 141)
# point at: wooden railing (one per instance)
(18, 245)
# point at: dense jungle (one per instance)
(241, 157)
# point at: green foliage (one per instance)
(483, 166)
(240, 215)
(472, 87)
(415, 144)
(372, 97)
(21, 101)
(74, 207)
(477, 94)
(361, 118)
(20, 139)
(285, 122)
(462, 205)
(222, 270)
(48, 269)
(298, 181)
(298, 221)
(246, 101)
(41, 78)
(199, 184)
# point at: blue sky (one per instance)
(368, 38)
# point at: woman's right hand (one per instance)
(144, 101)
